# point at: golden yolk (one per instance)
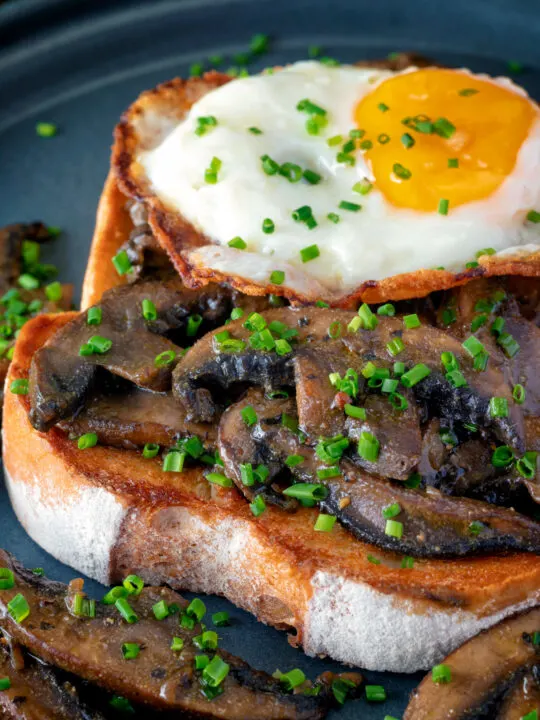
(491, 123)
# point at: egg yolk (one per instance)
(436, 139)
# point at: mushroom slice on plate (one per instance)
(479, 678)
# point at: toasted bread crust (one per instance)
(179, 238)
(276, 573)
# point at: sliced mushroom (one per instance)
(483, 671)
(130, 418)
(92, 649)
(35, 692)
(264, 442)
(60, 378)
(207, 367)
(433, 525)
(398, 435)
(522, 698)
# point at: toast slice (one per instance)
(107, 512)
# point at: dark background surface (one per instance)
(79, 63)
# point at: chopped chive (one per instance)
(375, 693)
(407, 140)
(19, 386)
(7, 579)
(515, 67)
(291, 171)
(411, 321)
(355, 412)
(313, 178)
(395, 346)
(478, 322)
(387, 310)
(389, 385)
(407, 563)
(304, 214)
(399, 369)
(368, 447)
(533, 216)
(498, 407)
(126, 611)
(174, 461)
(352, 207)
(328, 472)
(196, 609)
(306, 491)
(259, 43)
(363, 187)
(165, 358)
(401, 172)
(309, 253)
(88, 440)
(467, 92)
(221, 619)
(415, 375)
(456, 378)
(122, 263)
(94, 316)
(383, 138)
(324, 523)
(18, 608)
(249, 416)
(473, 346)
(314, 51)
(219, 479)
(193, 324)
(526, 466)
(177, 644)
(196, 70)
(394, 529)
(28, 282)
(398, 401)
(237, 243)
(5, 684)
(369, 319)
(518, 393)
(383, 107)
(453, 162)
(160, 610)
(333, 217)
(258, 506)
(310, 107)
(509, 345)
(480, 361)
(441, 674)
(268, 226)
(335, 140)
(443, 206)
(277, 277)
(502, 456)
(391, 511)
(133, 584)
(46, 129)
(131, 651)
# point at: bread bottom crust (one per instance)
(108, 512)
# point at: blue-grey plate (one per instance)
(80, 63)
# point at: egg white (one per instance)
(377, 242)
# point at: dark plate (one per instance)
(80, 63)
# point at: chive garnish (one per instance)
(46, 129)
(324, 523)
(122, 263)
(309, 253)
(237, 243)
(401, 172)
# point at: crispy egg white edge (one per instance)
(377, 242)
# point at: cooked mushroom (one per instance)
(522, 698)
(91, 647)
(129, 417)
(485, 675)
(429, 524)
(35, 692)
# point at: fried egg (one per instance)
(319, 179)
